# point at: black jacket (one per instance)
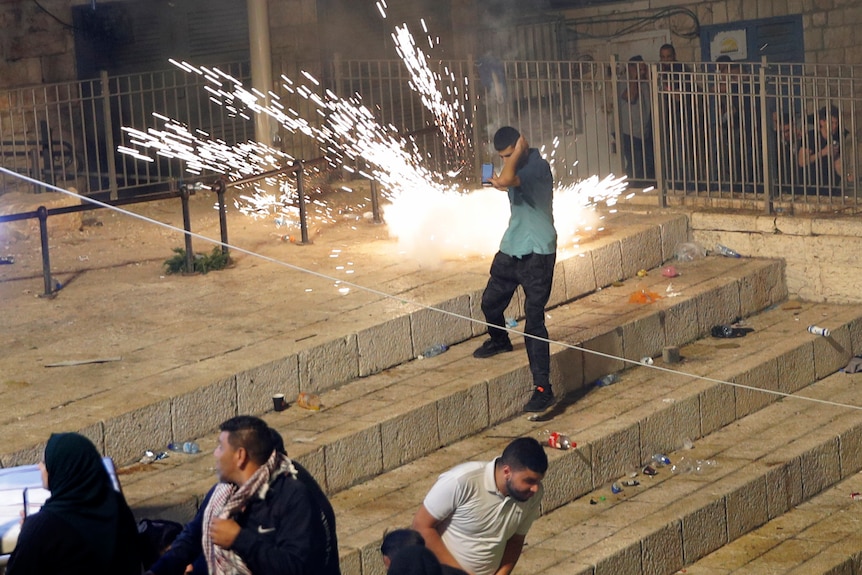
(283, 534)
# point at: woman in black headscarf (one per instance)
(85, 526)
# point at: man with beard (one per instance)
(477, 515)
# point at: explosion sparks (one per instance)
(432, 221)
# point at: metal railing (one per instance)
(757, 132)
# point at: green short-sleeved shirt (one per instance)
(531, 223)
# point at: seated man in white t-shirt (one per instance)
(477, 514)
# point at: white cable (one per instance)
(421, 305)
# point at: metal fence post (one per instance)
(109, 133)
(187, 226)
(658, 157)
(300, 196)
(764, 140)
(42, 212)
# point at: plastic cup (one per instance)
(278, 403)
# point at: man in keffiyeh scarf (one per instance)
(259, 519)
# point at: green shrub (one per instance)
(203, 263)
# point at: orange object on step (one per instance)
(644, 296)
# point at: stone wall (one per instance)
(819, 251)
(830, 26)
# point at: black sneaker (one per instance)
(542, 399)
(491, 348)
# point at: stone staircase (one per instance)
(391, 424)
(383, 439)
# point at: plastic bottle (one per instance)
(726, 251)
(817, 330)
(435, 349)
(308, 400)
(660, 459)
(187, 447)
(607, 380)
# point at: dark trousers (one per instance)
(535, 274)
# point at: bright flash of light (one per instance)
(433, 227)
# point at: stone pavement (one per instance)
(176, 334)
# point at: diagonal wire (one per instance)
(418, 304)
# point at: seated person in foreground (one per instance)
(85, 526)
(262, 518)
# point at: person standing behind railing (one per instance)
(636, 122)
(820, 155)
(677, 139)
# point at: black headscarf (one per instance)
(82, 493)
(414, 560)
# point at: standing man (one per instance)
(477, 515)
(636, 122)
(528, 252)
(260, 519)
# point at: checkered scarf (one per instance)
(228, 501)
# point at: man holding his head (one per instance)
(477, 515)
(260, 518)
(527, 255)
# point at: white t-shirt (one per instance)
(476, 519)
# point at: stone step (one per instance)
(818, 537)
(382, 423)
(768, 463)
(619, 427)
(312, 341)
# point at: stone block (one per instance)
(579, 275)
(717, 408)
(662, 549)
(673, 232)
(462, 413)
(409, 436)
(607, 264)
(129, 434)
(596, 366)
(855, 329)
(746, 506)
(679, 321)
(796, 368)
(429, 327)
(832, 353)
(352, 458)
(663, 429)
(641, 250)
(624, 559)
(383, 345)
(255, 386)
(614, 452)
(329, 365)
(507, 394)
(350, 561)
(783, 488)
(558, 287)
(567, 370)
(569, 476)
(643, 337)
(704, 530)
(315, 463)
(719, 305)
(762, 288)
(761, 376)
(201, 410)
(850, 451)
(821, 467)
